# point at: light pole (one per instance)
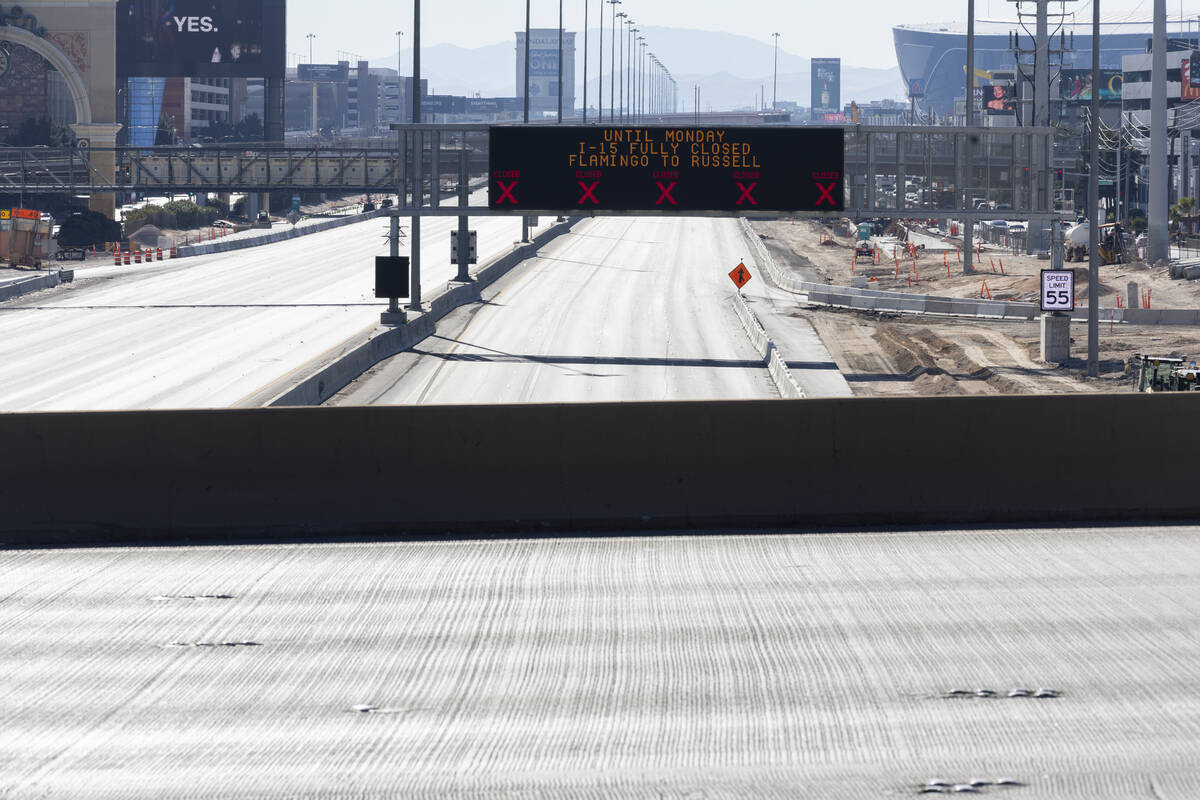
(310, 38)
(399, 76)
(775, 86)
(600, 67)
(627, 68)
(612, 61)
(641, 86)
(585, 57)
(629, 106)
(620, 60)
(526, 61)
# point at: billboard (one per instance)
(640, 169)
(1189, 86)
(999, 98)
(201, 38)
(543, 69)
(323, 73)
(1075, 85)
(826, 87)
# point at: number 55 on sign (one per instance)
(1058, 290)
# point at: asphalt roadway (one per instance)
(782, 665)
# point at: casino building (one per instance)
(937, 54)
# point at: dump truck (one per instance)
(1163, 374)
(1112, 243)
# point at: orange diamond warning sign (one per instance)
(740, 275)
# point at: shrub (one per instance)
(87, 228)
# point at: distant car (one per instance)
(71, 254)
(223, 223)
(1017, 227)
(999, 223)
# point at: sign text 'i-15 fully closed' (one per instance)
(652, 169)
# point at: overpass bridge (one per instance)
(880, 164)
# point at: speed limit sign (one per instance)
(1058, 290)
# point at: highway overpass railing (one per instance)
(922, 171)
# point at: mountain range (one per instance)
(730, 70)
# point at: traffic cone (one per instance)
(985, 291)
(116, 258)
(159, 254)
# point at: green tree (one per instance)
(166, 129)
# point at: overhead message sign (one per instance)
(201, 38)
(734, 169)
(1058, 290)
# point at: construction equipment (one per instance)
(1112, 248)
(1163, 374)
(863, 246)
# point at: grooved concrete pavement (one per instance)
(723, 666)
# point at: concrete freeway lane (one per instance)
(721, 666)
(621, 309)
(206, 331)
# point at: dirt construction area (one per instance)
(888, 354)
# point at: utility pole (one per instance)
(524, 219)
(968, 170)
(586, 2)
(414, 290)
(1157, 219)
(1041, 117)
(1093, 316)
(775, 83)
(560, 61)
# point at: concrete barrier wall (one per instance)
(31, 285)
(277, 236)
(781, 376)
(880, 300)
(124, 476)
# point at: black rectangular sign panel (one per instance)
(201, 38)
(734, 169)
(391, 276)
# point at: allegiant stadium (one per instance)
(936, 55)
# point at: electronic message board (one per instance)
(659, 169)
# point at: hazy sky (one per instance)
(859, 31)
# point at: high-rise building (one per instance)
(543, 71)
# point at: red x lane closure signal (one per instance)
(589, 192)
(740, 276)
(826, 191)
(746, 194)
(506, 192)
(666, 193)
